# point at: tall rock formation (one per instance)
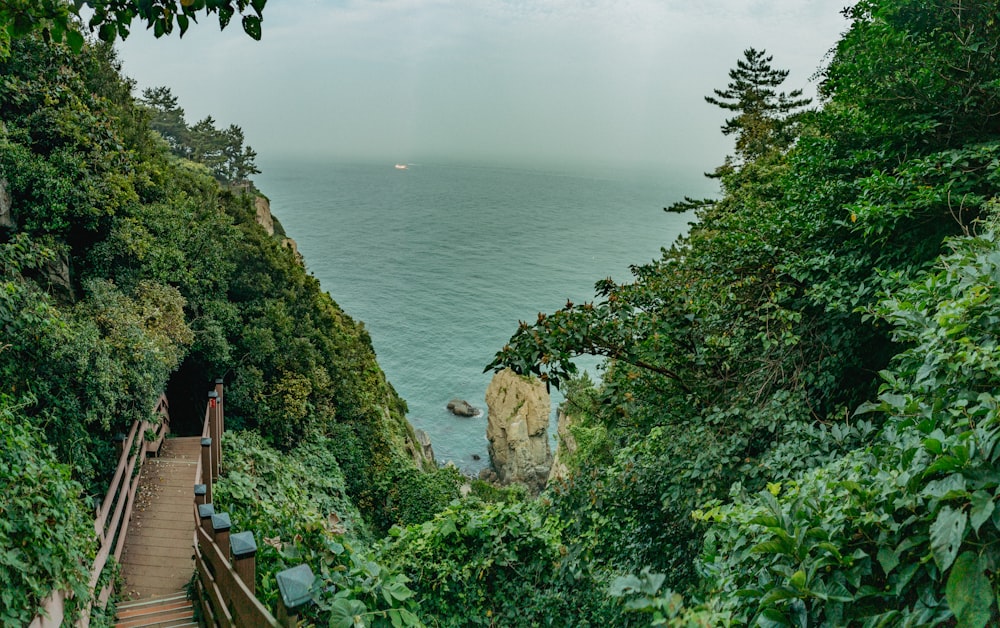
(265, 219)
(517, 429)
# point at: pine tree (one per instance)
(168, 119)
(766, 118)
(239, 162)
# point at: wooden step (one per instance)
(172, 611)
(157, 560)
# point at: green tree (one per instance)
(207, 144)
(765, 118)
(168, 119)
(239, 159)
(221, 150)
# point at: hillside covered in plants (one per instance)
(796, 425)
(128, 267)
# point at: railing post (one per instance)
(120, 443)
(200, 491)
(213, 432)
(205, 512)
(222, 406)
(295, 585)
(220, 529)
(244, 551)
(206, 467)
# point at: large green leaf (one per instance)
(947, 532)
(346, 613)
(982, 509)
(968, 592)
(888, 559)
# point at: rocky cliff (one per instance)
(517, 429)
(266, 220)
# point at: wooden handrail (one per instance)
(117, 503)
(226, 600)
(230, 601)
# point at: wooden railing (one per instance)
(115, 512)
(225, 563)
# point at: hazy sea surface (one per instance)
(442, 261)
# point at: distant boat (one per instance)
(401, 167)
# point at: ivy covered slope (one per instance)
(812, 370)
(126, 269)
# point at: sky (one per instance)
(517, 82)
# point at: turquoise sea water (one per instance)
(442, 261)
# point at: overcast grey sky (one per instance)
(616, 82)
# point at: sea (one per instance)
(442, 260)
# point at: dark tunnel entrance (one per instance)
(187, 392)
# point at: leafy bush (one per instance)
(905, 531)
(46, 532)
(414, 496)
(479, 564)
(262, 486)
(297, 507)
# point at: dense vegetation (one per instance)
(128, 270)
(797, 423)
(811, 371)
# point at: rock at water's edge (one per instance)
(460, 407)
(517, 429)
(424, 440)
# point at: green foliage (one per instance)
(918, 72)
(414, 496)
(766, 121)
(491, 493)
(168, 118)
(739, 356)
(84, 372)
(285, 492)
(46, 531)
(105, 369)
(63, 156)
(222, 151)
(479, 564)
(58, 20)
(644, 593)
(297, 506)
(902, 531)
(366, 593)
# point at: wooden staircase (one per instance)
(166, 612)
(158, 559)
